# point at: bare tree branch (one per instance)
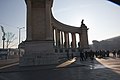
(10, 37)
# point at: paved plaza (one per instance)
(74, 69)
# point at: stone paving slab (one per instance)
(77, 70)
(8, 61)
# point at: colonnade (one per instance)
(66, 36)
(62, 39)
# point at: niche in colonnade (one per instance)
(61, 39)
(74, 40)
(54, 37)
(70, 40)
(77, 39)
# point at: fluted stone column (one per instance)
(57, 38)
(61, 39)
(73, 40)
(66, 35)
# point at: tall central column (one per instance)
(39, 43)
(39, 20)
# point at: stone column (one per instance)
(57, 38)
(39, 49)
(49, 30)
(66, 35)
(61, 40)
(29, 26)
(73, 40)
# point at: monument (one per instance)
(39, 46)
(39, 42)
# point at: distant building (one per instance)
(8, 53)
(108, 44)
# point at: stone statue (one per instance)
(82, 22)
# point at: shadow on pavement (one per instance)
(84, 70)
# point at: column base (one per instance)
(38, 53)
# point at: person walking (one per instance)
(114, 53)
(118, 54)
(91, 55)
(81, 56)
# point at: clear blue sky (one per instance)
(100, 16)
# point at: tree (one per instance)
(10, 37)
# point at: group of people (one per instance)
(116, 53)
(84, 55)
(98, 54)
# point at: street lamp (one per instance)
(3, 37)
(19, 34)
(19, 28)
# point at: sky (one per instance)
(100, 16)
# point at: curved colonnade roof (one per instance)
(63, 27)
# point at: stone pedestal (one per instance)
(38, 53)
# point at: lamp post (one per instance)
(19, 28)
(19, 34)
(3, 37)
